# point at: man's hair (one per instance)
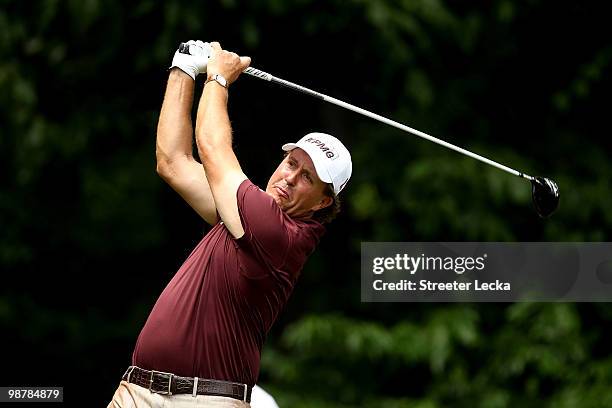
(327, 214)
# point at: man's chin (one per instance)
(278, 200)
(273, 194)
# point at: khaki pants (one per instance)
(133, 396)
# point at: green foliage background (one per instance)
(89, 235)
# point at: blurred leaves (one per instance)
(538, 351)
(588, 76)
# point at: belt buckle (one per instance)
(168, 392)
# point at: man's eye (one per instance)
(308, 178)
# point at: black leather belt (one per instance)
(160, 382)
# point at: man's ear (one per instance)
(325, 202)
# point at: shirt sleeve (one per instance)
(265, 224)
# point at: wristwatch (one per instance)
(218, 78)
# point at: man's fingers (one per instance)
(245, 62)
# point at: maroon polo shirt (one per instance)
(212, 318)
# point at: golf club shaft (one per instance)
(271, 78)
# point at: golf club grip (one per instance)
(271, 78)
(184, 49)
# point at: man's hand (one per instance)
(195, 62)
(227, 64)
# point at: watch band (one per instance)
(217, 78)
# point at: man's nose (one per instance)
(290, 177)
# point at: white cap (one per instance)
(331, 159)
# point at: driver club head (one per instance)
(545, 194)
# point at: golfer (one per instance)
(201, 343)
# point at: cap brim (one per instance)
(289, 146)
(323, 175)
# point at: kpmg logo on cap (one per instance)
(328, 150)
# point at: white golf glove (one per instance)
(195, 62)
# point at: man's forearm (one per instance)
(213, 128)
(214, 138)
(174, 130)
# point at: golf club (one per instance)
(544, 191)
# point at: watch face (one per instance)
(220, 80)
